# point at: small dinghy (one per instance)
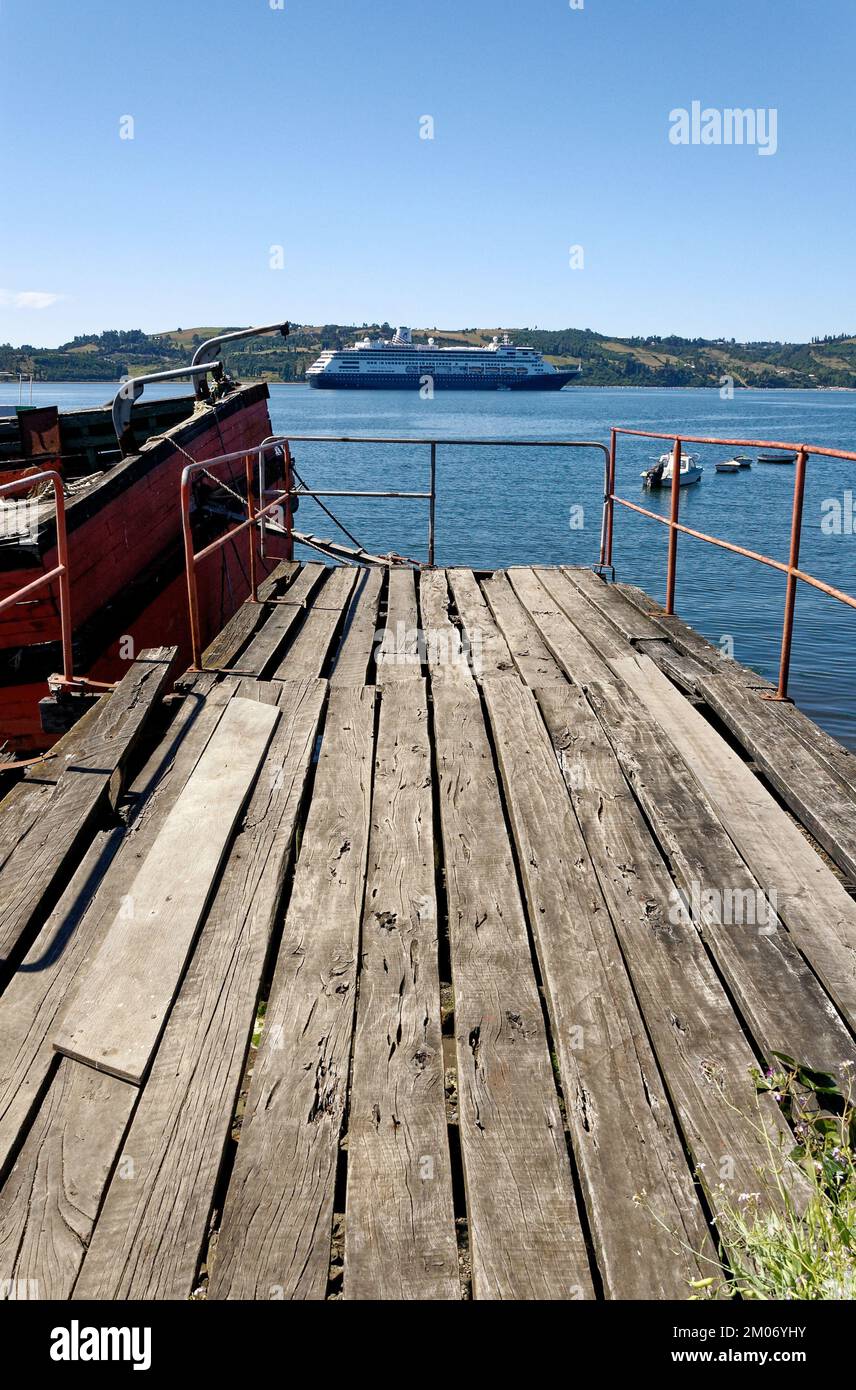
(661, 474)
(777, 458)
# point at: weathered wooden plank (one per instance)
(489, 651)
(398, 656)
(259, 657)
(308, 652)
(576, 656)
(688, 641)
(150, 1231)
(703, 1053)
(39, 990)
(683, 670)
(49, 846)
(445, 650)
(841, 760)
(624, 1137)
(400, 1221)
(354, 657)
(526, 1240)
(824, 803)
(244, 624)
(50, 1200)
(785, 1007)
(810, 901)
(531, 657)
(121, 1006)
(586, 617)
(274, 1240)
(629, 621)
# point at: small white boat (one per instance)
(729, 465)
(661, 474)
(743, 459)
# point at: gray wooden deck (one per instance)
(423, 952)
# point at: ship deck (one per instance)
(421, 947)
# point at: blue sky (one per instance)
(257, 127)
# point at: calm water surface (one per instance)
(515, 506)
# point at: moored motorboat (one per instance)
(727, 466)
(661, 474)
(777, 458)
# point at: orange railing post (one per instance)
(60, 570)
(793, 567)
(251, 531)
(288, 483)
(673, 527)
(608, 507)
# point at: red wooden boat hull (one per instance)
(126, 568)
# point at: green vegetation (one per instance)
(796, 1237)
(672, 361)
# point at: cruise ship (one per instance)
(401, 365)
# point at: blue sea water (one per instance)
(500, 506)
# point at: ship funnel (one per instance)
(402, 335)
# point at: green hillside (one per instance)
(606, 361)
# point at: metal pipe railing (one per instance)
(792, 569)
(59, 571)
(256, 516)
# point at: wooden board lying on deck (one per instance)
(121, 1005)
(39, 991)
(46, 843)
(274, 1238)
(181, 1126)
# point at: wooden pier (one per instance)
(421, 947)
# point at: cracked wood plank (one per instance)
(150, 1231)
(49, 846)
(818, 797)
(529, 652)
(49, 1202)
(489, 650)
(354, 657)
(306, 655)
(258, 658)
(703, 1053)
(275, 1235)
(621, 1124)
(398, 656)
(815, 907)
(526, 1238)
(445, 650)
(783, 1002)
(121, 1006)
(400, 1221)
(243, 625)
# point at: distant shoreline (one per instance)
(566, 390)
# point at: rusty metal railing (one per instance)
(256, 515)
(791, 569)
(59, 571)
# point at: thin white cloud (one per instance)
(28, 299)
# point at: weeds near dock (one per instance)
(809, 1253)
(771, 1246)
